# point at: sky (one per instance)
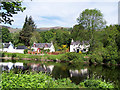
(50, 13)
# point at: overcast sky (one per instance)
(49, 13)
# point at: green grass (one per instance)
(73, 57)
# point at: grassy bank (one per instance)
(67, 57)
(41, 80)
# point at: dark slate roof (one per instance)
(78, 42)
(21, 47)
(42, 45)
(6, 45)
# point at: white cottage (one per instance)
(78, 46)
(8, 47)
(38, 46)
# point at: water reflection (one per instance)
(77, 74)
(41, 67)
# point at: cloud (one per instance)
(64, 13)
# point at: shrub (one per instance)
(33, 80)
(3, 54)
(72, 56)
(92, 83)
(96, 58)
(25, 51)
(13, 55)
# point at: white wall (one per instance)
(13, 50)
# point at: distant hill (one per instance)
(12, 30)
(49, 28)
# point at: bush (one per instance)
(3, 54)
(13, 55)
(95, 58)
(92, 83)
(72, 56)
(33, 80)
(25, 51)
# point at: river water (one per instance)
(76, 72)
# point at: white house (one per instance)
(38, 46)
(9, 47)
(79, 46)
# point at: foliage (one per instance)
(36, 37)
(25, 51)
(19, 44)
(15, 38)
(11, 80)
(27, 30)
(6, 37)
(92, 83)
(8, 9)
(73, 56)
(91, 19)
(79, 33)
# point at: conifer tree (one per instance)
(27, 30)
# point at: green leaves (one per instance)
(6, 36)
(26, 33)
(33, 80)
(92, 83)
(10, 8)
(91, 19)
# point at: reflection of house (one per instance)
(38, 46)
(18, 65)
(78, 72)
(41, 68)
(9, 65)
(79, 46)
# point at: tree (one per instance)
(6, 37)
(26, 33)
(15, 38)
(91, 20)
(78, 33)
(36, 38)
(8, 9)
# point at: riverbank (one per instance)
(46, 57)
(66, 57)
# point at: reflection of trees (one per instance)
(108, 74)
(60, 72)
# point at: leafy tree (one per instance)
(91, 19)
(15, 38)
(26, 33)
(78, 33)
(6, 37)
(36, 38)
(111, 46)
(63, 38)
(8, 9)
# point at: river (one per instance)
(76, 72)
